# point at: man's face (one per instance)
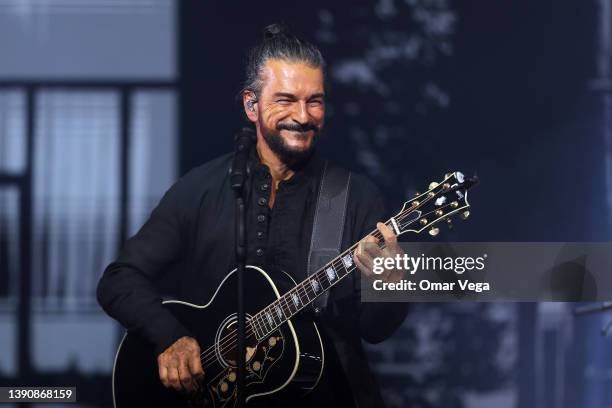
(291, 109)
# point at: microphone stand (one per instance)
(238, 174)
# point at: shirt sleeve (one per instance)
(377, 320)
(127, 291)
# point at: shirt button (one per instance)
(261, 218)
(262, 201)
(260, 234)
(264, 187)
(260, 252)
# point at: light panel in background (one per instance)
(153, 153)
(77, 206)
(12, 131)
(75, 195)
(9, 245)
(88, 39)
(9, 275)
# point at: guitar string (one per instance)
(300, 289)
(223, 343)
(224, 346)
(225, 349)
(376, 233)
(211, 352)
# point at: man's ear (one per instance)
(249, 102)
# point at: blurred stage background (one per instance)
(103, 103)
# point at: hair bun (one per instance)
(275, 30)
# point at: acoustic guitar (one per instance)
(284, 355)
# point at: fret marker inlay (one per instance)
(315, 285)
(331, 274)
(347, 260)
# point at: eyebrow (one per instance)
(292, 96)
(317, 95)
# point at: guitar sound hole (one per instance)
(226, 341)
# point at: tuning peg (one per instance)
(449, 223)
(433, 185)
(464, 215)
(433, 231)
(423, 221)
(416, 194)
(454, 204)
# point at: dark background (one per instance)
(514, 91)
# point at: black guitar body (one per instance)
(284, 365)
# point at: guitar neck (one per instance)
(303, 294)
(440, 202)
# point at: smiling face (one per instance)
(290, 109)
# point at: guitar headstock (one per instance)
(441, 202)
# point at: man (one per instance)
(192, 229)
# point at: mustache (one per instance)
(296, 127)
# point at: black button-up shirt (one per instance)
(186, 248)
(281, 237)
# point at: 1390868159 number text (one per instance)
(37, 394)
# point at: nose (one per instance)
(301, 115)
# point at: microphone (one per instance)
(243, 141)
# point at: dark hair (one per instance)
(278, 43)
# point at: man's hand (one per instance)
(180, 366)
(368, 249)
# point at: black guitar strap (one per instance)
(328, 224)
